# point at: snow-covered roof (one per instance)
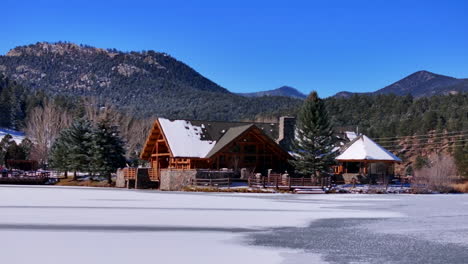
(364, 148)
(351, 135)
(17, 136)
(185, 139)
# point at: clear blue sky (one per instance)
(244, 46)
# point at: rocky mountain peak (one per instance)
(59, 48)
(423, 76)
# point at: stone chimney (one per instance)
(287, 125)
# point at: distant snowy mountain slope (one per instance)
(17, 136)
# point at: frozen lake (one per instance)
(91, 225)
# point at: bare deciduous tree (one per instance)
(133, 131)
(439, 174)
(43, 125)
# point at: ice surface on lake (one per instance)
(91, 225)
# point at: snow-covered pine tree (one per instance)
(107, 151)
(314, 140)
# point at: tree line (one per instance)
(83, 147)
(43, 116)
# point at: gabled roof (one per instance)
(202, 139)
(185, 139)
(214, 130)
(364, 148)
(228, 137)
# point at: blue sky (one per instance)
(245, 46)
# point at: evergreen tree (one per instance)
(314, 139)
(107, 151)
(5, 144)
(77, 141)
(26, 145)
(461, 159)
(59, 158)
(14, 152)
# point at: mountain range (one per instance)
(282, 91)
(421, 84)
(152, 83)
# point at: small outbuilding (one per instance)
(362, 160)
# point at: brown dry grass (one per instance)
(71, 182)
(461, 187)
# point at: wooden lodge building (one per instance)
(364, 161)
(181, 150)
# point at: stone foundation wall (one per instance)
(175, 180)
(120, 179)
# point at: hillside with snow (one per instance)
(17, 135)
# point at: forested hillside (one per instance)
(143, 83)
(391, 115)
(13, 103)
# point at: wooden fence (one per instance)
(277, 181)
(222, 182)
(27, 177)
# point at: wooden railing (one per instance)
(279, 182)
(130, 173)
(26, 177)
(223, 182)
(154, 174)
